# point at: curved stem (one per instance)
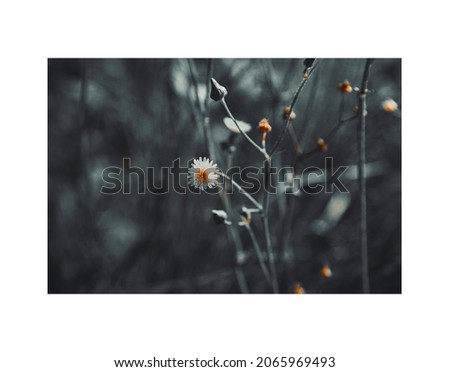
(253, 143)
(294, 101)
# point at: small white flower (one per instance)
(203, 174)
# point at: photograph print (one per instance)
(224, 176)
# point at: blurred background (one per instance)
(149, 110)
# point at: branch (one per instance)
(362, 175)
(305, 78)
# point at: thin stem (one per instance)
(240, 276)
(291, 108)
(206, 126)
(297, 148)
(209, 72)
(333, 131)
(233, 233)
(253, 143)
(245, 193)
(362, 175)
(304, 155)
(199, 116)
(259, 253)
(195, 84)
(267, 236)
(235, 237)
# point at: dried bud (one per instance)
(298, 289)
(326, 272)
(322, 145)
(286, 113)
(220, 217)
(345, 87)
(389, 105)
(217, 91)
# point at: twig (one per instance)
(197, 111)
(333, 130)
(195, 84)
(234, 234)
(267, 236)
(328, 138)
(362, 175)
(245, 193)
(258, 252)
(206, 126)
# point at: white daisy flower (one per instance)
(203, 174)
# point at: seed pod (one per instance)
(217, 91)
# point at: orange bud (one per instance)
(389, 105)
(286, 113)
(345, 87)
(298, 289)
(326, 272)
(322, 145)
(264, 126)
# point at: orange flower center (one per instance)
(202, 176)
